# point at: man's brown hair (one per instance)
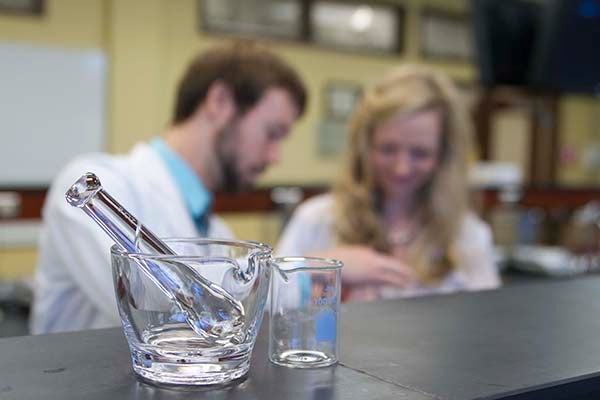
(246, 67)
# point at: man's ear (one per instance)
(219, 104)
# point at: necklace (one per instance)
(401, 236)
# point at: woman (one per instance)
(398, 217)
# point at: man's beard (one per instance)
(231, 180)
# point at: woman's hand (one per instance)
(365, 266)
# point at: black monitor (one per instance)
(505, 35)
(567, 55)
(546, 45)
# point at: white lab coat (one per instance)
(73, 282)
(311, 229)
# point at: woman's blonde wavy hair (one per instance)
(442, 201)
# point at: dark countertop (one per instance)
(527, 341)
(95, 364)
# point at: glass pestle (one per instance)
(208, 308)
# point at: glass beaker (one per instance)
(164, 348)
(303, 320)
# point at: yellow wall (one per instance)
(65, 23)
(17, 263)
(137, 45)
(580, 128)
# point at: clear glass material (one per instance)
(303, 323)
(209, 309)
(164, 348)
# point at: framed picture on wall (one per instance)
(359, 26)
(374, 27)
(22, 7)
(276, 19)
(446, 36)
(339, 101)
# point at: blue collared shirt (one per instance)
(197, 198)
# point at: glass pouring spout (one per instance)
(209, 309)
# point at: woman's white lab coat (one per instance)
(73, 283)
(311, 229)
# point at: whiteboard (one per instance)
(52, 108)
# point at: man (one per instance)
(233, 107)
